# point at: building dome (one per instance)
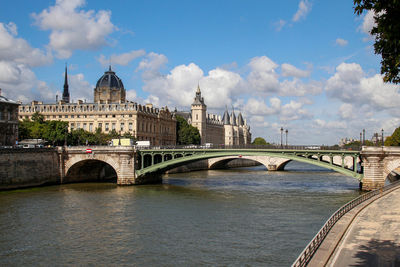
(109, 88)
(111, 80)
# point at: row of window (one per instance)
(84, 108)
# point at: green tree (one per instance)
(55, 132)
(386, 32)
(259, 141)
(186, 134)
(394, 139)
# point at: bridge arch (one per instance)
(270, 163)
(79, 169)
(389, 168)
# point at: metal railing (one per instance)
(251, 146)
(314, 244)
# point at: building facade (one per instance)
(228, 130)
(109, 111)
(8, 121)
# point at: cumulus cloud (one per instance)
(121, 59)
(302, 11)
(346, 111)
(263, 76)
(368, 23)
(351, 85)
(289, 70)
(318, 123)
(152, 62)
(341, 42)
(18, 50)
(296, 87)
(72, 28)
(18, 82)
(80, 88)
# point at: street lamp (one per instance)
(65, 135)
(286, 136)
(281, 137)
(383, 140)
(363, 142)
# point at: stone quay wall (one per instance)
(28, 167)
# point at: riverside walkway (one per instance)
(367, 235)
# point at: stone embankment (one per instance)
(27, 167)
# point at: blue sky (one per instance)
(307, 66)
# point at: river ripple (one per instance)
(232, 217)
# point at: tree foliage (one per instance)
(394, 139)
(186, 134)
(386, 32)
(55, 132)
(259, 141)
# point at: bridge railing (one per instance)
(314, 244)
(251, 146)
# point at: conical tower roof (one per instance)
(226, 119)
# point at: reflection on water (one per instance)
(219, 217)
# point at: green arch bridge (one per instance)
(159, 160)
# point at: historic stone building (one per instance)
(227, 130)
(8, 121)
(109, 111)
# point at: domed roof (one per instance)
(110, 79)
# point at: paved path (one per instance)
(371, 239)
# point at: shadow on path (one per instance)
(378, 253)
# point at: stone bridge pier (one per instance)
(97, 162)
(378, 164)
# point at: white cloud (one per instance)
(293, 111)
(152, 62)
(296, 87)
(341, 42)
(346, 111)
(18, 82)
(263, 77)
(289, 70)
(318, 123)
(350, 85)
(79, 88)
(368, 22)
(258, 107)
(121, 59)
(131, 95)
(72, 28)
(302, 11)
(18, 50)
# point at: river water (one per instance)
(236, 217)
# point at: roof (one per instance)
(4, 99)
(110, 79)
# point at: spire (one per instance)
(65, 96)
(226, 119)
(198, 100)
(233, 117)
(109, 68)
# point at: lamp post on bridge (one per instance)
(383, 140)
(281, 137)
(286, 137)
(363, 142)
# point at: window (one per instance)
(100, 125)
(130, 126)
(197, 116)
(107, 127)
(122, 126)
(84, 126)
(66, 116)
(72, 126)
(59, 116)
(113, 126)
(90, 127)
(72, 116)
(78, 125)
